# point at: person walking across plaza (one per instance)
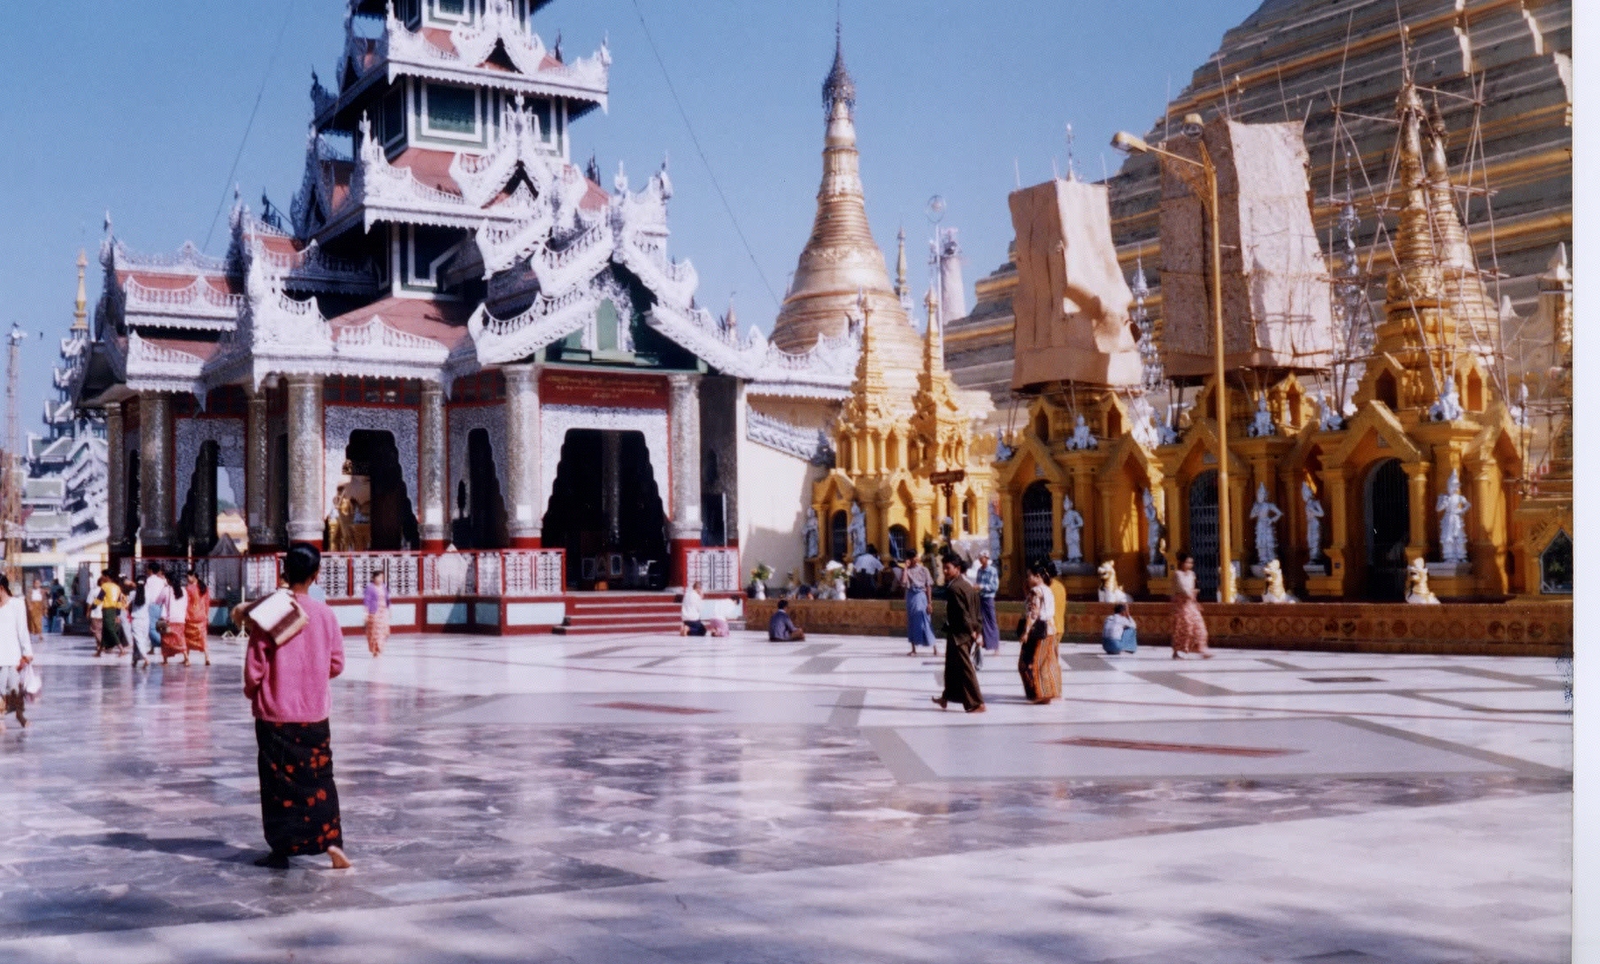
(917, 582)
(1188, 625)
(37, 604)
(287, 668)
(157, 597)
(108, 600)
(174, 639)
(16, 652)
(987, 579)
(376, 599)
(962, 625)
(58, 607)
(139, 626)
(197, 618)
(1039, 663)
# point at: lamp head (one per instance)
(1125, 141)
(1193, 126)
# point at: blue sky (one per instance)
(141, 107)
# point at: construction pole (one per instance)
(13, 462)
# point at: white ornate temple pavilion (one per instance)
(456, 338)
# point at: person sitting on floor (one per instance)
(1120, 633)
(781, 627)
(692, 626)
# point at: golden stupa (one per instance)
(841, 263)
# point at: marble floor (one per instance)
(657, 799)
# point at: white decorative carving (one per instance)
(1266, 516)
(1448, 407)
(555, 421)
(200, 299)
(802, 443)
(1261, 424)
(1081, 437)
(188, 434)
(463, 420)
(1072, 529)
(338, 421)
(1314, 515)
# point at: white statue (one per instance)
(1146, 431)
(1262, 426)
(1276, 593)
(813, 549)
(1328, 419)
(1110, 589)
(1417, 591)
(1452, 508)
(997, 526)
(858, 530)
(1154, 530)
(1081, 438)
(1072, 529)
(1002, 451)
(1519, 411)
(1266, 516)
(1314, 514)
(451, 571)
(1169, 428)
(1448, 407)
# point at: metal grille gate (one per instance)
(1203, 535)
(1037, 522)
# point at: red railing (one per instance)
(344, 575)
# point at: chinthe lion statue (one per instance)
(1111, 590)
(1417, 591)
(1276, 593)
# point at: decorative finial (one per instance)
(839, 88)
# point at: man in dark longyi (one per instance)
(963, 622)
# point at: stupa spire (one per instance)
(841, 258)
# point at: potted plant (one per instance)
(758, 581)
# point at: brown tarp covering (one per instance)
(1072, 302)
(1276, 303)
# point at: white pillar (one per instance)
(431, 487)
(524, 492)
(683, 429)
(305, 458)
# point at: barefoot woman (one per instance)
(287, 682)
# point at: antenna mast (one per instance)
(12, 508)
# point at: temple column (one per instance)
(523, 492)
(202, 535)
(1012, 566)
(683, 450)
(431, 488)
(1489, 533)
(1058, 541)
(1417, 476)
(305, 458)
(1334, 500)
(116, 483)
(1087, 502)
(156, 535)
(257, 473)
(611, 486)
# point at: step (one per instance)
(616, 629)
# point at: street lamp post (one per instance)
(1209, 202)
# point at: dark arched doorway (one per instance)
(1204, 534)
(480, 521)
(839, 536)
(393, 520)
(197, 522)
(605, 511)
(1388, 518)
(1038, 541)
(899, 542)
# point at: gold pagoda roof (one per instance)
(841, 262)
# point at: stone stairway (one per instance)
(591, 614)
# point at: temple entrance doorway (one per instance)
(372, 503)
(480, 521)
(1204, 535)
(197, 523)
(606, 512)
(1388, 505)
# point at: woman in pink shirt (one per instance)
(287, 683)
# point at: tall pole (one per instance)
(1225, 587)
(13, 466)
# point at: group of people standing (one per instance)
(150, 616)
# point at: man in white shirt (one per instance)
(692, 626)
(1120, 633)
